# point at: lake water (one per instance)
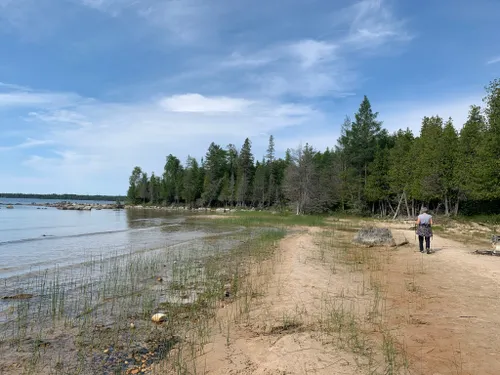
(33, 239)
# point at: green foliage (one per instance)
(369, 170)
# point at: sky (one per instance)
(91, 88)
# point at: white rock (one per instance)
(159, 317)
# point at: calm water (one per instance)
(34, 239)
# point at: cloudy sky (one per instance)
(91, 88)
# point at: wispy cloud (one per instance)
(35, 99)
(28, 143)
(185, 20)
(372, 23)
(317, 67)
(493, 60)
(311, 52)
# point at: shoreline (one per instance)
(302, 295)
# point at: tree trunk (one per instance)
(446, 208)
(413, 208)
(298, 210)
(456, 206)
(397, 209)
(406, 203)
(390, 206)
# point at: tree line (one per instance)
(71, 197)
(368, 171)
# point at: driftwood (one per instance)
(19, 296)
(405, 242)
(488, 252)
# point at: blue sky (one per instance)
(91, 88)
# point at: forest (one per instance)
(450, 168)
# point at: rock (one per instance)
(132, 325)
(159, 317)
(373, 236)
(10, 207)
(159, 279)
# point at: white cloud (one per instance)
(200, 103)
(493, 60)
(106, 140)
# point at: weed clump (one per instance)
(373, 236)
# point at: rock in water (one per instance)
(159, 317)
(373, 236)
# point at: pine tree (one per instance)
(245, 173)
(358, 143)
(468, 173)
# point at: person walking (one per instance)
(424, 230)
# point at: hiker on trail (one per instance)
(424, 230)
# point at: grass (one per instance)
(273, 219)
(352, 317)
(98, 317)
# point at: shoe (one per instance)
(428, 251)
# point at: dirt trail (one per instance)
(278, 337)
(446, 306)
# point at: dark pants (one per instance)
(421, 243)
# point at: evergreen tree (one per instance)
(191, 182)
(245, 173)
(449, 156)
(215, 167)
(468, 172)
(134, 184)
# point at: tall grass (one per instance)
(97, 318)
(350, 318)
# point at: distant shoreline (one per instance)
(76, 197)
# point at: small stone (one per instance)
(134, 371)
(159, 279)
(106, 351)
(159, 317)
(132, 325)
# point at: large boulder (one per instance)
(373, 236)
